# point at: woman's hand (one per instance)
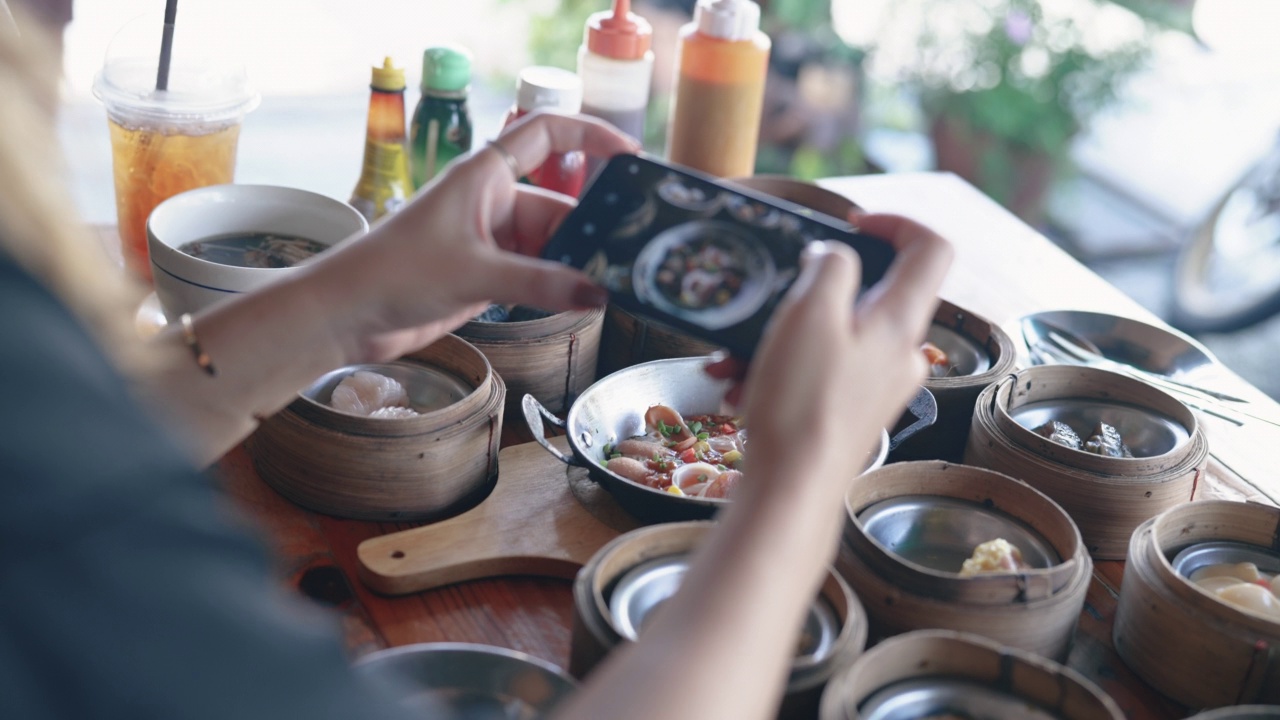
(469, 239)
(830, 373)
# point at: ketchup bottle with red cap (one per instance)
(559, 90)
(616, 66)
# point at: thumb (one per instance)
(511, 279)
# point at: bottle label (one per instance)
(384, 179)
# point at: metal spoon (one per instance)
(1038, 331)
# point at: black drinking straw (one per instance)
(166, 44)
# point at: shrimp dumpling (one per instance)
(1252, 597)
(365, 393)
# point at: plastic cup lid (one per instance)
(204, 85)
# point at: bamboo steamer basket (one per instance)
(1106, 497)
(1241, 712)
(417, 468)
(630, 340)
(1186, 643)
(956, 395)
(1034, 610)
(552, 358)
(946, 654)
(595, 634)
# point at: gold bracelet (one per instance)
(189, 337)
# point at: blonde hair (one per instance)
(38, 225)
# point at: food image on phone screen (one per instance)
(694, 253)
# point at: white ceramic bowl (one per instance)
(185, 284)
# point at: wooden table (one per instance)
(1003, 270)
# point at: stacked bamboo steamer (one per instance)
(552, 358)
(1106, 497)
(929, 659)
(1034, 610)
(421, 467)
(597, 631)
(956, 394)
(1185, 642)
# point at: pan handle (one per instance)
(924, 408)
(534, 414)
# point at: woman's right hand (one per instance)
(830, 372)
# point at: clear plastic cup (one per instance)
(167, 142)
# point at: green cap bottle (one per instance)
(446, 68)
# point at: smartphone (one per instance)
(696, 253)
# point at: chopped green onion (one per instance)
(721, 468)
(702, 477)
(695, 427)
(607, 449)
(703, 436)
(615, 455)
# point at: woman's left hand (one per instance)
(469, 239)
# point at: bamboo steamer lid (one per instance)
(1106, 497)
(594, 633)
(423, 467)
(1035, 610)
(1181, 639)
(956, 395)
(940, 653)
(552, 358)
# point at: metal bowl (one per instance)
(1146, 432)
(926, 697)
(940, 532)
(466, 681)
(758, 269)
(644, 588)
(964, 355)
(1154, 349)
(1217, 552)
(613, 409)
(429, 388)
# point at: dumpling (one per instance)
(993, 556)
(1252, 597)
(364, 393)
(1060, 433)
(1106, 441)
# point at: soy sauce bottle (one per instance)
(441, 127)
(384, 184)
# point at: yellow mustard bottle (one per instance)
(384, 184)
(722, 63)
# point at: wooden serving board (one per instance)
(542, 518)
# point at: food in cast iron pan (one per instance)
(697, 457)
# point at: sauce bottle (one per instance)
(560, 90)
(441, 127)
(616, 67)
(384, 184)
(722, 62)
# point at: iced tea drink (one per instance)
(155, 162)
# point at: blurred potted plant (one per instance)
(1005, 85)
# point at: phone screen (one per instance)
(694, 253)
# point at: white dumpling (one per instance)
(363, 393)
(1217, 582)
(1252, 597)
